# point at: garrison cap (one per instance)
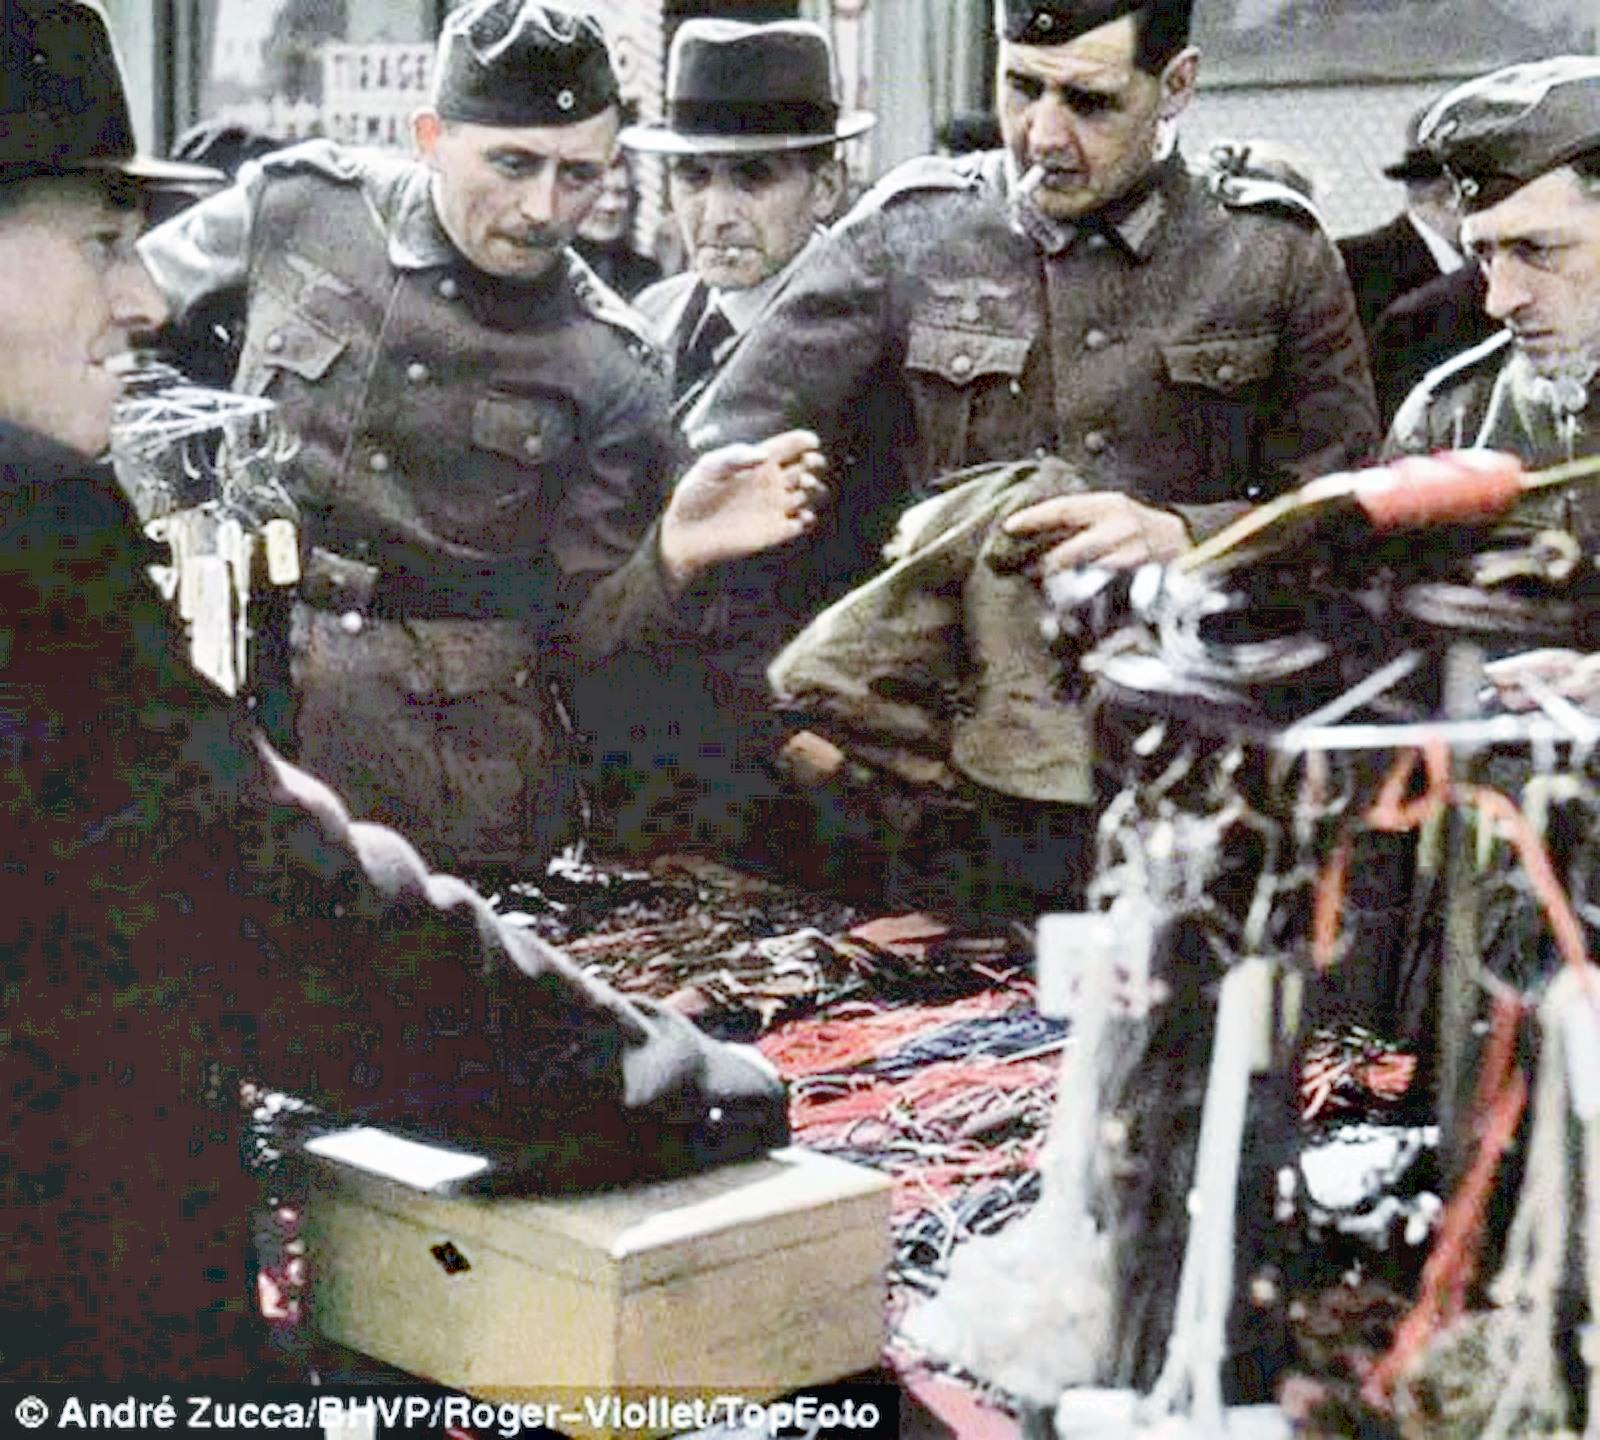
(1496, 133)
(1054, 22)
(517, 62)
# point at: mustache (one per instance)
(536, 237)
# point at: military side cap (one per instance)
(63, 107)
(734, 88)
(1054, 22)
(515, 63)
(1496, 133)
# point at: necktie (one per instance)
(698, 357)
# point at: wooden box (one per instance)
(756, 1279)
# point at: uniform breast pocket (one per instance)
(1221, 387)
(950, 372)
(285, 339)
(524, 436)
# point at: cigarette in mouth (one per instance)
(1031, 181)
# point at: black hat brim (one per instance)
(662, 140)
(146, 169)
(1415, 167)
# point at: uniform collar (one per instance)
(416, 238)
(1133, 221)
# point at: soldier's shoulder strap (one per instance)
(1485, 355)
(599, 301)
(325, 158)
(1253, 192)
(381, 175)
(1445, 406)
(924, 174)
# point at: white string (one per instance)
(1191, 1379)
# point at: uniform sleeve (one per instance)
(399, 997)
(807, 361)
(613, 593)
(206, 250)
(1325, 414)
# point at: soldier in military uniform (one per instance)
(1186, 348)
(482, 426)
(1523, 146)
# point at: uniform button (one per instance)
(1095, 442)
(1097, 241)
(532, 445)
(352, 623)
(1015, 387)
(566, 100)
(1096, 340)
(416, 372)
(962, 364)
(1040, 452)
(448, 287)
(969, 311)
(1226, 374)
(363, 547)
(275, 341)
(378, 463)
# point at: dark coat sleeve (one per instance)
(242, 919)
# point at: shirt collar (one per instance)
(416, 238)
(744, 307)
(1445, 255)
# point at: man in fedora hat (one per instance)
(750, 139)
(484, 433)
(1418, 245)
(183, 910)
(1186, 345)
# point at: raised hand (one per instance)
(741, 500)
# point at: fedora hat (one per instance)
(737, 89)
(63, 108)
(1418, 162)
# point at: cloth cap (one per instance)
(63, 107)
(1054, 22)
(517, 63)
(1496, 133)
(734, 88)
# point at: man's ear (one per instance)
(426, 128)
(827, 190)
(1178, 82)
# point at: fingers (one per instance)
(790, 446)
(1064, 512)
(1115, 545)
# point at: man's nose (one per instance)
(722, 205)
(1053, 129)
(137, 304)
(536, 198)
(1507, 287)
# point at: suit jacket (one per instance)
(1423, 329)
(672, 309)
(1383, 264)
